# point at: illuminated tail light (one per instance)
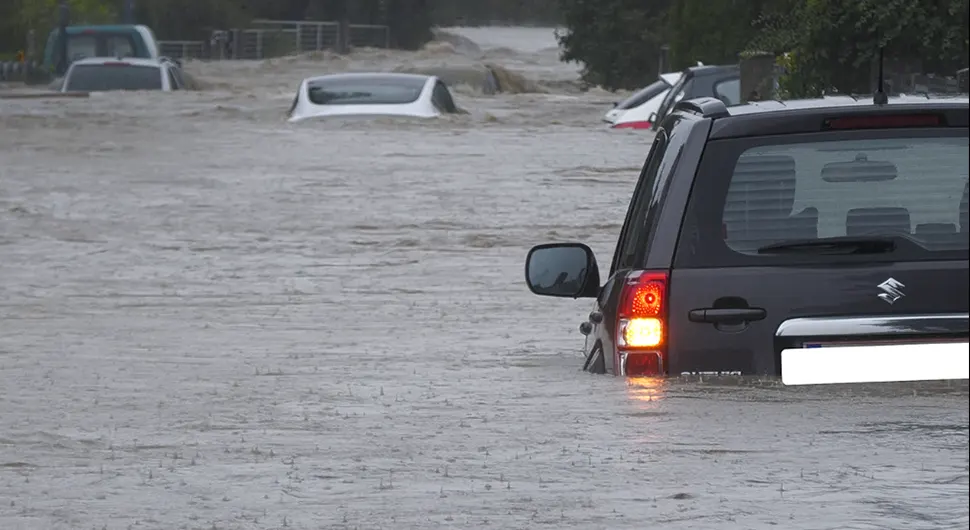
(641, 330)
(633, 125)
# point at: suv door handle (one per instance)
(712, 315)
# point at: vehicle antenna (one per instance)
(880, 98)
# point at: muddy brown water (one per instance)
(210, 318)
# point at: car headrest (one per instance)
(877, 221)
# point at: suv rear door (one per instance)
(908, 185)
(680, 138)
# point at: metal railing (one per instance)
(276, 38)
(183, 49)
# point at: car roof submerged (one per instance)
(132, 61)
(763, 118)
(370, 76)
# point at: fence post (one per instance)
(27, 56)
(343, 36)
(64, 15)
(319, 30)
(299, 39)
(128, 15)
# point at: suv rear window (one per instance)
(96, 77)
(911, 186)
(363, 91)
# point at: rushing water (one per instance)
(210, 318)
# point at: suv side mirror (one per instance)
(565, 270)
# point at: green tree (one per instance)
(713, 32)
(409, 22)
(836, 41)
(617, 41)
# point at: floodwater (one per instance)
(213, 319)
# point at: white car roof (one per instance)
(133, 61)
(370, 75)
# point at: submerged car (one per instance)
(707, 81)
(646, 99)
(121, 40)
(100, 74)
(819, 240)
(372, 94)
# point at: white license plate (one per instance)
(826, 364)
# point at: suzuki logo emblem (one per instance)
(892, 291)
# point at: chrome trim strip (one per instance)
(952, 323)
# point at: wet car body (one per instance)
(721, 311)
(102, 74)
(372, 94)
(646, 100)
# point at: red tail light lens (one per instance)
(641, 333)
(633, 125)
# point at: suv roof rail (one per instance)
(707, 107)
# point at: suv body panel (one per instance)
(789, 294)
(804, 304)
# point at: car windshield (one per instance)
(82, 46)
(86, 45)
(365, 91)
(905, 196)
(644, 95)
(121, 76)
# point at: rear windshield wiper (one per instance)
(832, 245)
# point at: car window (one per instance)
(910, 186)
(120, 76)
(643, 96)
(442, 98)
(81, 46)
(632, 234)
(365, 91)
(118, 46)
(728, 91)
